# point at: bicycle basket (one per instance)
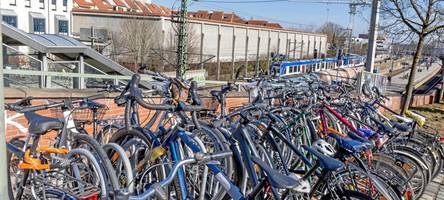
(83, 114)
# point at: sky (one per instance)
(295, 14)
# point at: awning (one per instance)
(37, 15)
(8, 12)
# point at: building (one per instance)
(226, 36)
(361, 39)
(38, 16)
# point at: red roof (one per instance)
(155, 10)
(119, 3)
(274, 25)
(84, 3)
(217, 15)
(257, 22)
(102, 5)
(143, 7)
(132, 4)
(165, 10)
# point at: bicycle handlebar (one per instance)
(22, 109)
(157, 189)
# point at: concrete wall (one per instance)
(245, 38)
(23, 8)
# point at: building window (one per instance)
(28, 3)
(63, 27)
(42, 4)
(54, 4)
(13, 2)
(65, 2)
(11, 20)
(39, 25)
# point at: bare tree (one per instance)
(336, 36)
(412, 19)
(170, 49)
(135, 39)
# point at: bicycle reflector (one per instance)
(408, 195)
(93, 196)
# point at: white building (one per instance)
(225, 35)
(38, 16)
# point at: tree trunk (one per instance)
(411, 82)
(441, 93)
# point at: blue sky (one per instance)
(288, 14)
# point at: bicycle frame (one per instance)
(325, 107)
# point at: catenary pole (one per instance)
(182, 40)
(372, 36)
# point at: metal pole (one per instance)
(246, 54)
(256, 68)
(182, 40)
(201, 50)
(3, 167)
(351, 26)
(372, 36)
(218, 56)
(233, 55)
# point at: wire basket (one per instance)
(82, 115)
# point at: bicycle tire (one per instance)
(346, 194)
(103, 159)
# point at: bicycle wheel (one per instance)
(202, 184)
(356, 179)
(87, 142)
(15, 175)
(385, 167)
(411, 165)
(147, 169)
(340, 194)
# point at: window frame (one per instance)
(34, 25)
(14, 16)
(42, 4)
(27, 3)
(58, 27)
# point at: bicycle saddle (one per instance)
(403, 127)
(217, 94)
(358, 138)
(353, 146)
(40, 124)
(326, 162)
(275, 178)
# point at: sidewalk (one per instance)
(435, 189)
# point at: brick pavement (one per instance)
(435, 189)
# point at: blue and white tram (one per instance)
(287, 68)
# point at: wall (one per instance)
(21, 9)
(210, 30)
(44, 96)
